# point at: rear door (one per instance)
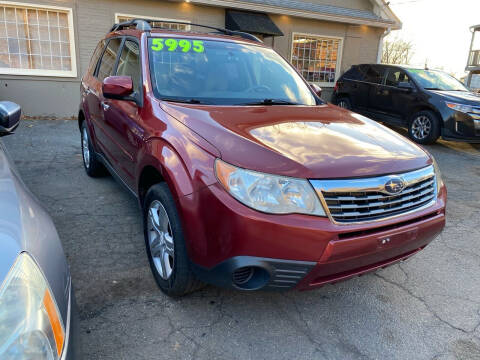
(375, 77)
(354, 85)
(122, 117)
(89, 88)
(105, 69)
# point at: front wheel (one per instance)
(424, 127)
(165, 243)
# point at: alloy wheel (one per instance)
(85, 148)
(421, 127)
(160, 239)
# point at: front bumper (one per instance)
(461, 126)
(225, 238)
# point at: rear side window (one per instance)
(373, 74)
(353, 74)
(108, 59)
(95, 57)
(129, 63)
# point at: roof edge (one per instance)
(384, 23)
(382, 9)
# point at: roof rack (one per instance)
(148, 25)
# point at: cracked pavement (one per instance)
(425, 308)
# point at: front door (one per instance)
(393, 102)
(105, 69)
(122, 117)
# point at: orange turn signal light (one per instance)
(58, 332)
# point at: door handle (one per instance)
(105, 106)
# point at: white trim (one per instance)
(384, 23)
(39, 72)
(117, 15)
(382, 9)
(339, 55)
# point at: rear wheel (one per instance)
(93, 166)
(165, 243)
(424, 127)
(344, 103)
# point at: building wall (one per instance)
(59, 97)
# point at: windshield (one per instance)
(436, 80)
(223, 73)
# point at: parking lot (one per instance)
(425, 308)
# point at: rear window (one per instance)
(353, 74)
(223, 73)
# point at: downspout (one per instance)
(380, 44)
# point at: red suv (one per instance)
(245, 177)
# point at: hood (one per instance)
(301, 141)
(25, 226)
(462, 97)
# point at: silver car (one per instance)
(38, 318)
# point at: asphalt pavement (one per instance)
(425, 308)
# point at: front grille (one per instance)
(360, 200)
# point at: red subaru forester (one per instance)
(246, 178)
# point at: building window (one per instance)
(317, 58)
(36, 40)
(162, 22)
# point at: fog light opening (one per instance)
(250, 278)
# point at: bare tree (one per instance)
(397, 51)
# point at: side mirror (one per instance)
(316, 89)
(118, 87)
(405, 85)
(9, 117)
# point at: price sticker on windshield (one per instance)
(177, 45)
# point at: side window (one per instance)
(353, 74)
(108, 59)
(374, 74)
(129, 64)
(395, 77)
(95, 57)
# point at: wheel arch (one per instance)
(81, 118)
(416, 109)
(161, 163)
(149, 176)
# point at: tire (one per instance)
(424, 127)
(93, 167)
(167, 253)
(344, 103)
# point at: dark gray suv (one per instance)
(430, 103)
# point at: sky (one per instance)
(439, 31)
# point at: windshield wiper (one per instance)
(271, 102)
(184, 101)
(434, 88)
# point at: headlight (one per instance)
(460, 107)
(269, 193)
(30, 324)
(438, 174)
